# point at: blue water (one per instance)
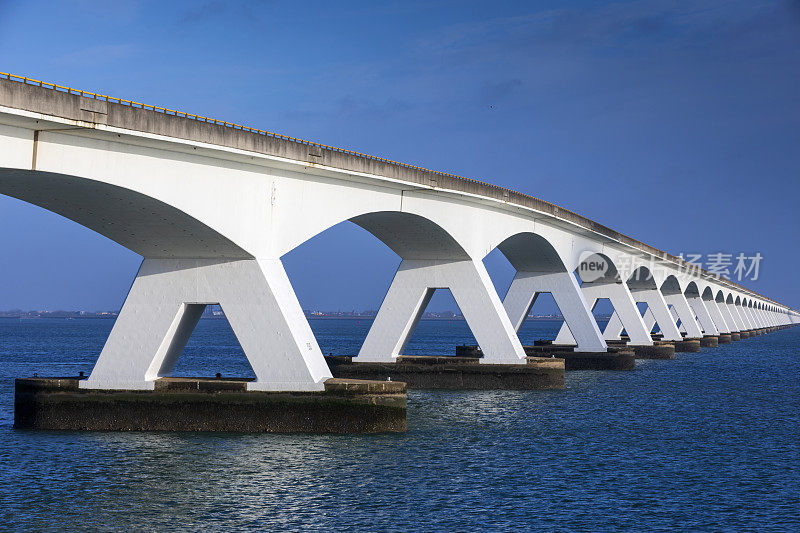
(706, 442)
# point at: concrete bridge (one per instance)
(212, 206)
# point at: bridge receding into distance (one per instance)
(213, 206)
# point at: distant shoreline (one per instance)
(424, 319)
(433, 319)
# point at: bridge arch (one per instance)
(141, 223)
(530, 252)
(642, 279)
(671, 285)
(692, 290)
(411, 236)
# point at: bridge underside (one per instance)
(138, 222)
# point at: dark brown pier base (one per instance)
(687, 345)
(455, 373)
(744, 334)
(198, 404)
(615, 358)
(725, 338)
(709, 341)
(659, 349)
(735, 336)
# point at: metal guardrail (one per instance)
(130, 103)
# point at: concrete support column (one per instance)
(614, 328)
(166, 301)
(703, 315)
(675, 318)
(744, 312)
(726, 313)
(570, 300)
(650, 320)
(624, 307)
(657, 313)
(685, 313)
(409, 294)
(658, 307)
(762, 319)
(754, 317)
(716, 314)
(737, 318)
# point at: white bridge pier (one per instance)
(212, 207)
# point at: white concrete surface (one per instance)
(212, 223)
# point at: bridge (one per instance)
(213, 206)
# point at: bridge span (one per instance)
(213, 206)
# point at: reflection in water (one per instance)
(703, 442)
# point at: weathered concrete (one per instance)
(455, 373)
(687, 345)
(709, 341)
(735, 336)
(725, 338)
(615, 358)
(683, 345)
(200, 404)
(659, 349)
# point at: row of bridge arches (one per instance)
(440, 246)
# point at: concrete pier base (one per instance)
(658, 350)
(615, 358)
(744, 334)
(709, 341)
(456, 373)
(735, 336)
(687, 345)
(202, 404)
(725, 338)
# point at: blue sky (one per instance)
(677, 123)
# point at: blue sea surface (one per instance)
(706, 442)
